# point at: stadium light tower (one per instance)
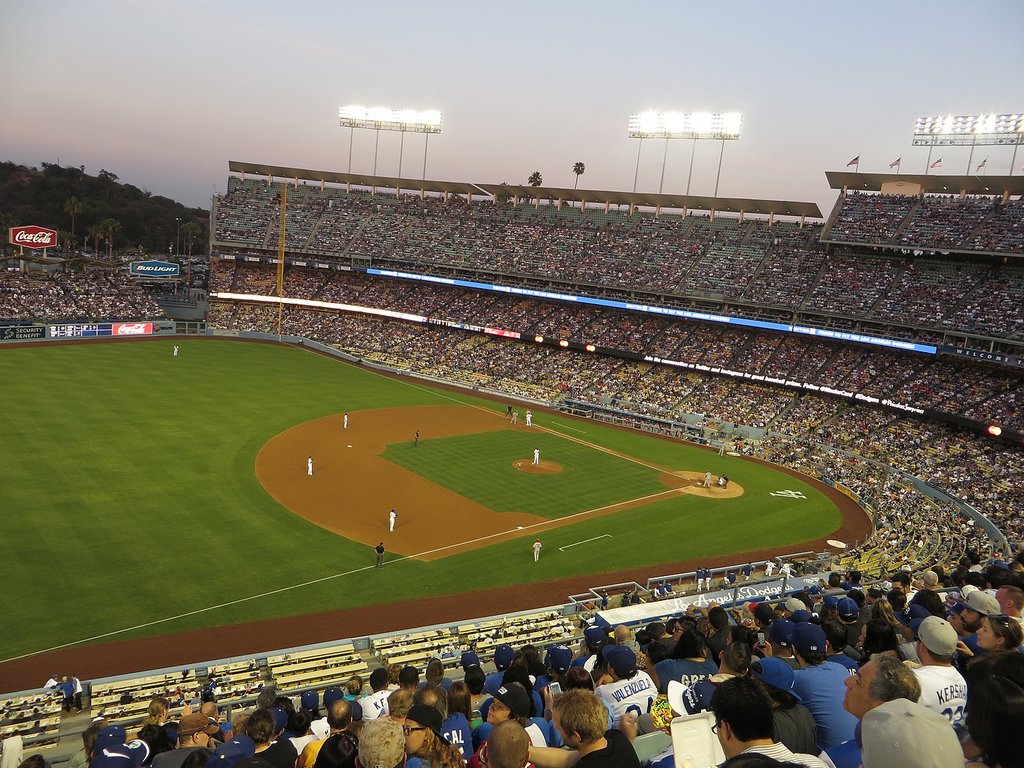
(719, 126)
(973, 130)
(386, 119)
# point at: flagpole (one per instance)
(1014, 161)
(970, 157)
(928, 162)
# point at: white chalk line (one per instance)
(301, 585)
(585, 541)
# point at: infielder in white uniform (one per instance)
(536, 457)
(391, 520)
(344, 421)
(630, 690)
(529, 419)
(536, 550)
(515, 417)
(309, 466)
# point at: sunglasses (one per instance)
(408, 730)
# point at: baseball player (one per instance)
(391, 521)
(748, 571)
(786, 570)
(529, 419)
(309, 466)
(344, 421)
(175, 350)
(769, 568)
(707, 480)
(536, 457)
(416, 440)
(379, 549)
(536, 550)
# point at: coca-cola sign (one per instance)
(132, 329)
(33, 237)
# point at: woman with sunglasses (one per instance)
(997, 634)
(423, 739)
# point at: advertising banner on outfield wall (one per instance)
(21, 332)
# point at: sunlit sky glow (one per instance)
(165, 94)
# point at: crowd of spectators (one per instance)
(93, 295)
(723, 264)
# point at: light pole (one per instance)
(685, 125)
(386, 119)
(969, 130)
(177, 233)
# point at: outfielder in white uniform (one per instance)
(536, 457)
(175, 350)
(630, 690)
(529, 419)
(309, 466)
(391, 520)
(344, 421)
(536, 550)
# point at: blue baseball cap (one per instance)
(503, 655)
(776, 673)
(595, 636)
(130, 755)
(847, 609)
(800, 617)
(310, 700)
(280, 719)
(559, 658)
(112, 736)
(334, 694)
(808, 637)
(621, 659)
(230, 752)
(780, 632)
(470, 659)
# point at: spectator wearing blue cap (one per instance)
(792, 723)
(503, 655)
(821, 686)
(780, 642)
(230, 753)
(629, 688)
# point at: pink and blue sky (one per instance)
(164, 94)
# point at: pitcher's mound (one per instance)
(544, 468)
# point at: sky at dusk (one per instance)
(164, 94)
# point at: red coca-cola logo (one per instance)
(132, 329)
(34, 237)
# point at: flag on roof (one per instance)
(855, 161)
(895, 163)
(981, 165)
(936, 164)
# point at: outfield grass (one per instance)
(128, 494)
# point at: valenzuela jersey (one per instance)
(636, 695)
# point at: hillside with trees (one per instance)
(97, 214)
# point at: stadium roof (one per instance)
(564, 194)
(930, 184)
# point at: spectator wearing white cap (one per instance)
(943, 688)
(904, 734)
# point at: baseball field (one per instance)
(145, 494)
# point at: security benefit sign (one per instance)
(159, 270)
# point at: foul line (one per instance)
(602, 536)
(279, 590)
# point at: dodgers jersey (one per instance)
(635, 694)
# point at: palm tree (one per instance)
(72, 207)
(110, 226)
(535, 179)
(190, 229)
(96, 233)
(578, 169)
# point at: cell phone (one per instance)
(555, 688)
(760, 638)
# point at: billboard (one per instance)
(155, 269)
(84, 330)
(33, 237)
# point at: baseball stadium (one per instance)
(499, 366)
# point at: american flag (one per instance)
(896, 162)
(981, 165)
(855, 161)
(936, 164)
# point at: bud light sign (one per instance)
(151, 269)
(33, 237)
